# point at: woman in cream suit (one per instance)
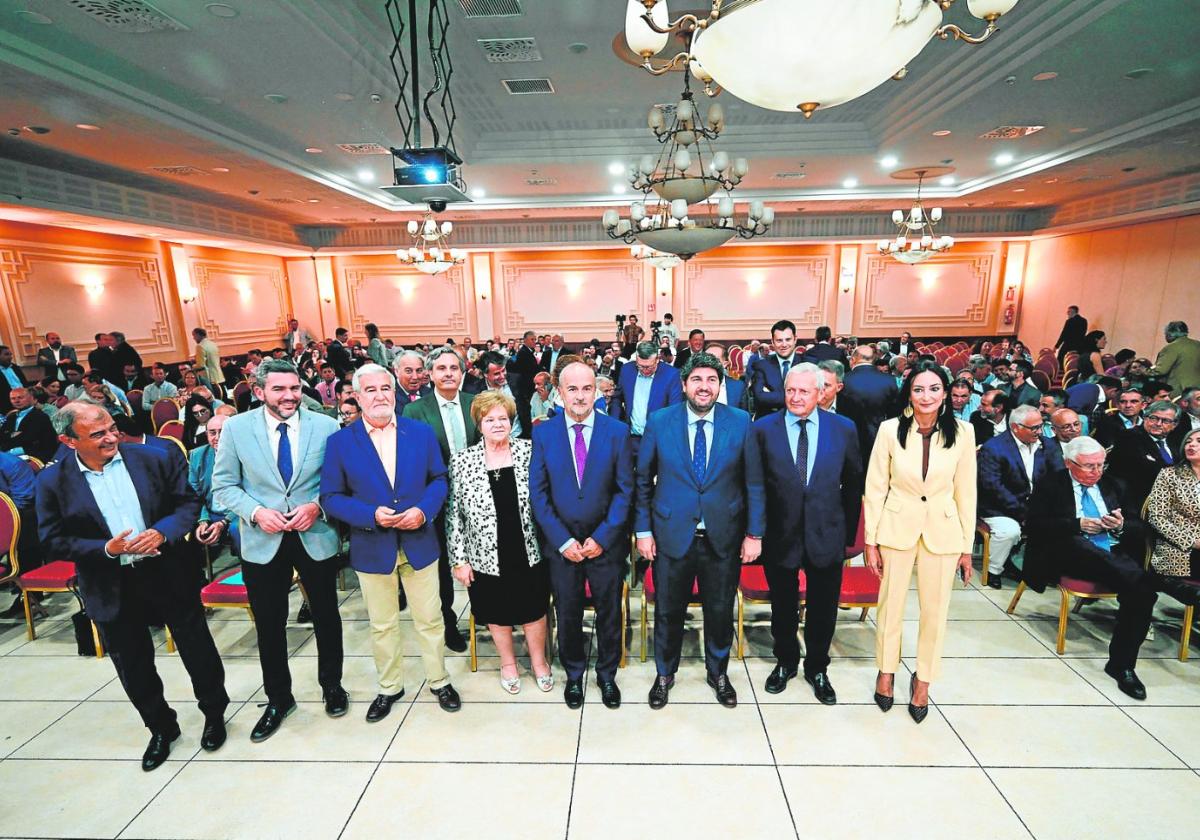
(920, 511)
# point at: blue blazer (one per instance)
(729, 501)
(1003, 486)
(766, 383)
(735, 392)
(70, 524)
(666, 389)
(812, 523)
(354, 484)
(599, 508)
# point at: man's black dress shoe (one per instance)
(917, 713)
(610, 695)
(777, 680)
(213, 736)
(448, 698)
(304, 616)
(573, 694)
(454, 639)
(271, 720)
(381, 706)
(1184, 593)
(158, 749)
(995, 581)
(337, 701)
(1127, 681)
(660, 691)
(822, 688)
(721, 686)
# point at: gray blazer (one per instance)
(45, 358)
(245, 476)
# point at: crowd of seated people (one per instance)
(1073, 446)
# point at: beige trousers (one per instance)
(935, 580)
(382, 593)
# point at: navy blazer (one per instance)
(354, 484)
(71, 526)
(868, 398)
(817, 521)
(1004, 488)
(599, 508)
(665, 389)
(766, 384)
(728, 501)
(735, 392)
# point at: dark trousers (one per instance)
(822, 591)
(168, 590)
(29, 547)
(1136, 593)
(604, 575)
(673, 577)
(267, 585)
(445, 579)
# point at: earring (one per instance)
(908, 411)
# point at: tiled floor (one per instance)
(1020, 743)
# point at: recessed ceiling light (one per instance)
(618, 189)
(87, 127)
(888, 161)
(34, 17)
(1004, 158)
(478, 192)
(344, 97)
(313, 150)
(946, 181)
(1045, 77)
(365, 175)
(1019, 189)
(942, 132)
(850, 183)
(616, 168)
(222, 10)
(314, 201)
(220, 169)
(578, 48)
(1139, 73)
(36, 129)
(275, 98)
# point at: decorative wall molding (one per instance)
(265, 284)
(724, 280)
(625, 285)
(951, 293)
(363, 281)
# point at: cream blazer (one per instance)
(901, 508)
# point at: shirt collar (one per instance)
(390, 424)
(442, 401)
(793, 420)
(116, 459)
(693, 416)
(293, 422)
(589, 423)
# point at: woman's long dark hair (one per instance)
(189, 420)
(946, 424)
(1091, 343)
(372, 331)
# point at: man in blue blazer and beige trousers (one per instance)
(385, 478)
(268, 473)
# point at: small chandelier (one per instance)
(687, 172)
(787, 55)
(431, 252)
(916, 241)
(658, 260)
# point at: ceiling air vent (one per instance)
(1011, 132)
(490, 8)
(523, 87)
(363, 149)
(541, 182)
(283, 200)
(179, 171)
(509, 50)
(128, 15)
(788, 176)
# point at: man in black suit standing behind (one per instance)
(551, 354)
(525, 365)
(695, 345)
(336, 353)
(104, 358)
(1074, 330)
(824, 349)
(868, 397)
(53, 354)
(11, 377)
(121, 513)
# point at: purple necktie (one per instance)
(580, 452)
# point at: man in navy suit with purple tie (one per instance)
(581, 488)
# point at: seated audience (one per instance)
(215, 522)
(11, 376)
(348, 411)
(1138, 454)
(98, 391)
(1189, 420)
(989, 420)
(131, 432)
(327, 388)
(963, 400)
(158, 388)
(1049, 403)
(18, 482)
(1174, 512)
(197, 411)
(543, 398)
(27, 430)
(1128, 415)
(1021, 390)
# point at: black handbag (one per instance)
(81, 622)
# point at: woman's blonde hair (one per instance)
(487, 400)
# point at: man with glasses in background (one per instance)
(1138, 454)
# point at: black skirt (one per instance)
(520, 594)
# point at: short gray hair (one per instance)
(833, 366)
(1165, 405)
(807, 367)
(1021, 413)
(647, 350)
(64, 419)
(420, 358)
(444, 350)
(270, 366)
(367, 370)
(883, 346)
(607, 379)
(1082, 445)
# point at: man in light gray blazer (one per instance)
(268, 474)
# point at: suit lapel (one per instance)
(824, 444)
(720, 440)
(141, 483)
(597, 450)
(264, 444)
(370, 455)
(401, 447)
(685, 446)
(83, 490)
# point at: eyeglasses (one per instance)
(1090, 468)
(1066, 427)
(1036, 428)
(1162, 421)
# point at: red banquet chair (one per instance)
(163, 411)
(172, 429)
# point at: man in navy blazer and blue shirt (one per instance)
(766, 375)
(581, 489)
(644, 388)
(808, 463)
(384, 477)
(120, 513)
(698, 511)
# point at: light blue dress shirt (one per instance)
(638, 410)
(793, 433)
(117, 498)
(11, 376)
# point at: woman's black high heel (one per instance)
(917, 713)
(882, 700)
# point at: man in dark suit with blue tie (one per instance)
(643, 388)
(698, 512)
(766, 375)
(581, 489)
(120, 513)
(807, 460)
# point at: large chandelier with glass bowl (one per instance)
(658, 260)
(677, 214)
(431, 252)
(788, 55)
(916, 240)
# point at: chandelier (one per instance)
(916, 240)
(686, 172)
(431, 252)
(787, 55)
(658, 260)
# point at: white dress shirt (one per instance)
(1028, 451)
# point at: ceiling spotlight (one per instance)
(366, 176)
(344, 97)
(221, 169)
(942, 132)
(275, 98)
(850, 183)
(616, 168)
(946, 181)
(87, 127)
(221, 10)
(1004, 158)
(478, 192)
(314, 201)
(888, 161)
(618, 189)
(313, 150)
(1045, 77)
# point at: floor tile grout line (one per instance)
(587, 660)
(771, 747)
(79, 703)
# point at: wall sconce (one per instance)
(94, 288)
(187, 294)
(483, 286)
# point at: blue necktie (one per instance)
(786, 365)
(700, 453)
(284, 458)
(1088, 504)
(802, 452)
(1166, 453)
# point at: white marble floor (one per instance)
(1020, 743)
